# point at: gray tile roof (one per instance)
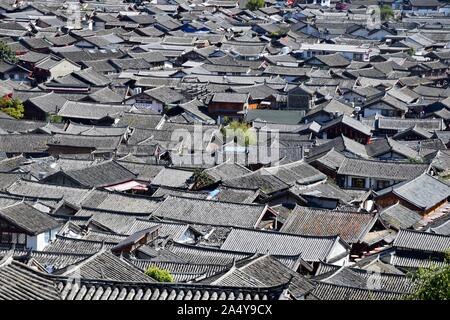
(13, 163)
(351, 122)
(54, 260)
(71, 245)
(224, 194)
(417, 131)
(99, 175)
(87, 130)
(24, 143)
(86, 110)
(228, 97)
(101, 142)
(325, 190)
(49, 103)
(258, 180)
(169, 177)
(350, 226)
(381, 169)
(335, 60)
(210, 255)
(311, 248)
(399, 217)
(92, 77)
(275, 116)
(423, 192)
(380, 147)
(126, 224)
(422, 241)
(382, 280)
(41, 286)
(24, 217)
(340, 144)
(299, 172)
(20, 282)
(236, 195)
(440, 226)
(115, 290)
(226, 170)
(120, 202)
(47, 191)
(12, 125)
(7, 179)
(261, 271)
(181, 272)
(331, 107)
(325, 291)
(331, 159)
(408, 262)
(139, 120)
(106, 95)
(165, 95)
(210, 212)
(106, 266)
(403, 124)
(145, 172)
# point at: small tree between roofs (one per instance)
(432, 283)
(54, 118)
(201, 179)
(243, 133)
(6, 53)
(158, 274)
(386, 12)
(255, 4)
(12, 107)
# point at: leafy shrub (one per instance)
(201, 179)
(12, 107)
(255, 4)
(158, 274)
(6, 53)
(386, 12)
(55, 118)
(432, 283)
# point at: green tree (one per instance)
(54, 118)
(226, 121)
(6, 53)
(12, 107)
(386, 12)
(158, 274)
(255, 4)
(415, 160)
(281, 32)
(411, 51)
(201, 179)
(244, 133)
(432, 283)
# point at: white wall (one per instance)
(39, 242)
(338, 250)
(368, 112)
(153, 105)
(187, 237)
(391, 155)
(36, 242)
(445, 10)
(379, 35)
(353, 97)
